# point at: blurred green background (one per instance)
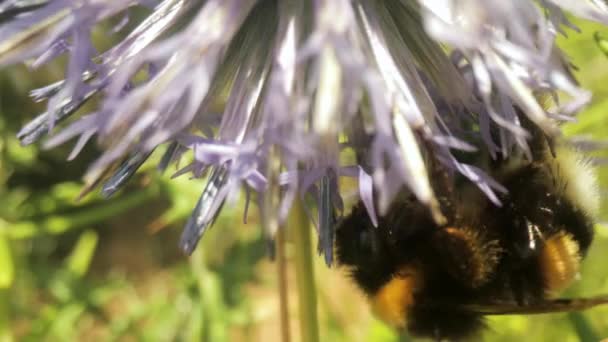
(110, 270)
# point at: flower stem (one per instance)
(307, 296)
(283, 297)
(5, 330)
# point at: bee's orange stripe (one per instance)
(394, 299)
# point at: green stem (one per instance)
(307, 296)
(57, 224)
(5, 331)
(583, 328)
(283, 295)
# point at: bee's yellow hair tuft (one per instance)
(394, 299)
(576, 177)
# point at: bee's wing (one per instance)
(548, 306)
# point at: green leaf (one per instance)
(381, 332)
(64, 325)
(80, 259)
(7, 270)
(601, 42)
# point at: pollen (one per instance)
(559, 262)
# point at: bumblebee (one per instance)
(440, 281)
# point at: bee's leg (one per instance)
(437, 334)
(466, 254)
(554, 266)
(521, 289)
(546, 269)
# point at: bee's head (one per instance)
(361, 247)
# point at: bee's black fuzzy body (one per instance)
(432, 280)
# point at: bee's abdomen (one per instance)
(559, 262)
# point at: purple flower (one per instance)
(274, 96)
